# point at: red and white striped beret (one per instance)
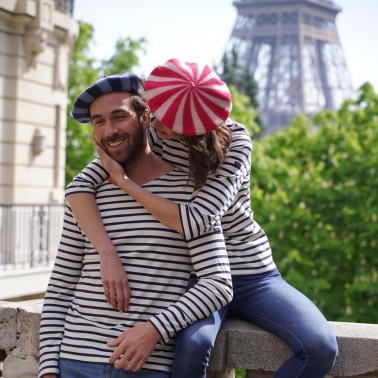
(188, 98)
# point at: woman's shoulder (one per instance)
(238, 157)
(240, 135)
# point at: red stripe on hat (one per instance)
(162, 95)
(206, 120)
(187, 97)
(188, 117)
(169, 117)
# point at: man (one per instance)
(79, 327)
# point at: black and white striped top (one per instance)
(225, 198)
(77, 322)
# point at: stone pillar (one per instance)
(228, 373)
(259, 374)
(19, 338)
(36, 42)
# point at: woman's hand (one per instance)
(114, 279)
(116, 172)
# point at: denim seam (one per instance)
(286, 330)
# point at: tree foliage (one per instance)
(243, 111)
(83, 71)
(314, 191)
(241, 79)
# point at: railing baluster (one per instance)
(29, 234)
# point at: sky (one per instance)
(198, 30)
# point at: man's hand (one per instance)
(134, 346)
(116, 172)
(49, 376)
(113, 276)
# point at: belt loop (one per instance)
(108, 371)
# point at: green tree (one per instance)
(83, 71)
(314, 191)
(243, 111)
(241, 78)
(125, 57)
(229, 69)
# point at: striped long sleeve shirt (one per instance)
(77, 322)
(225, 198)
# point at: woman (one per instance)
(194, 133)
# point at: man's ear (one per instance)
(145, 117)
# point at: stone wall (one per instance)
(239, 344)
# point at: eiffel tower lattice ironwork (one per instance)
(293, 51)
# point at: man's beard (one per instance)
(134, 146)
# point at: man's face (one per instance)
(117, 127)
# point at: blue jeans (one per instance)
(78, 369)
(271, 303)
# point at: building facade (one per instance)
(36, 42)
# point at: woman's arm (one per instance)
(210, 203)
(164, 210)
(80, 197)
(227, 191)
(113, 275)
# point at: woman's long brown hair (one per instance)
(206, 153)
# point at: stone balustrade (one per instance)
(239, 345)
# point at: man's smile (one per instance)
(116, 143)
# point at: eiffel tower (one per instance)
(293, 51)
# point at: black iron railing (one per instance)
(64, 6)
(29, 234)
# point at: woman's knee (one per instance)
(195, 342)
(321, 350)
(329, 348)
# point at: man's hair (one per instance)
(124, 82)
(139, 103)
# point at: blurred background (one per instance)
(303, 76)
(200, 31)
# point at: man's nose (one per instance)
(110, 128)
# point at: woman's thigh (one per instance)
(279, 308)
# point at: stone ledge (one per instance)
(244, 345)
(239, 345)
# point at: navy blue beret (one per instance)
(124, 82)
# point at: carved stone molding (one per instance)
(37, 32)
(63, 53)
(35, 42)
(61, 66)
